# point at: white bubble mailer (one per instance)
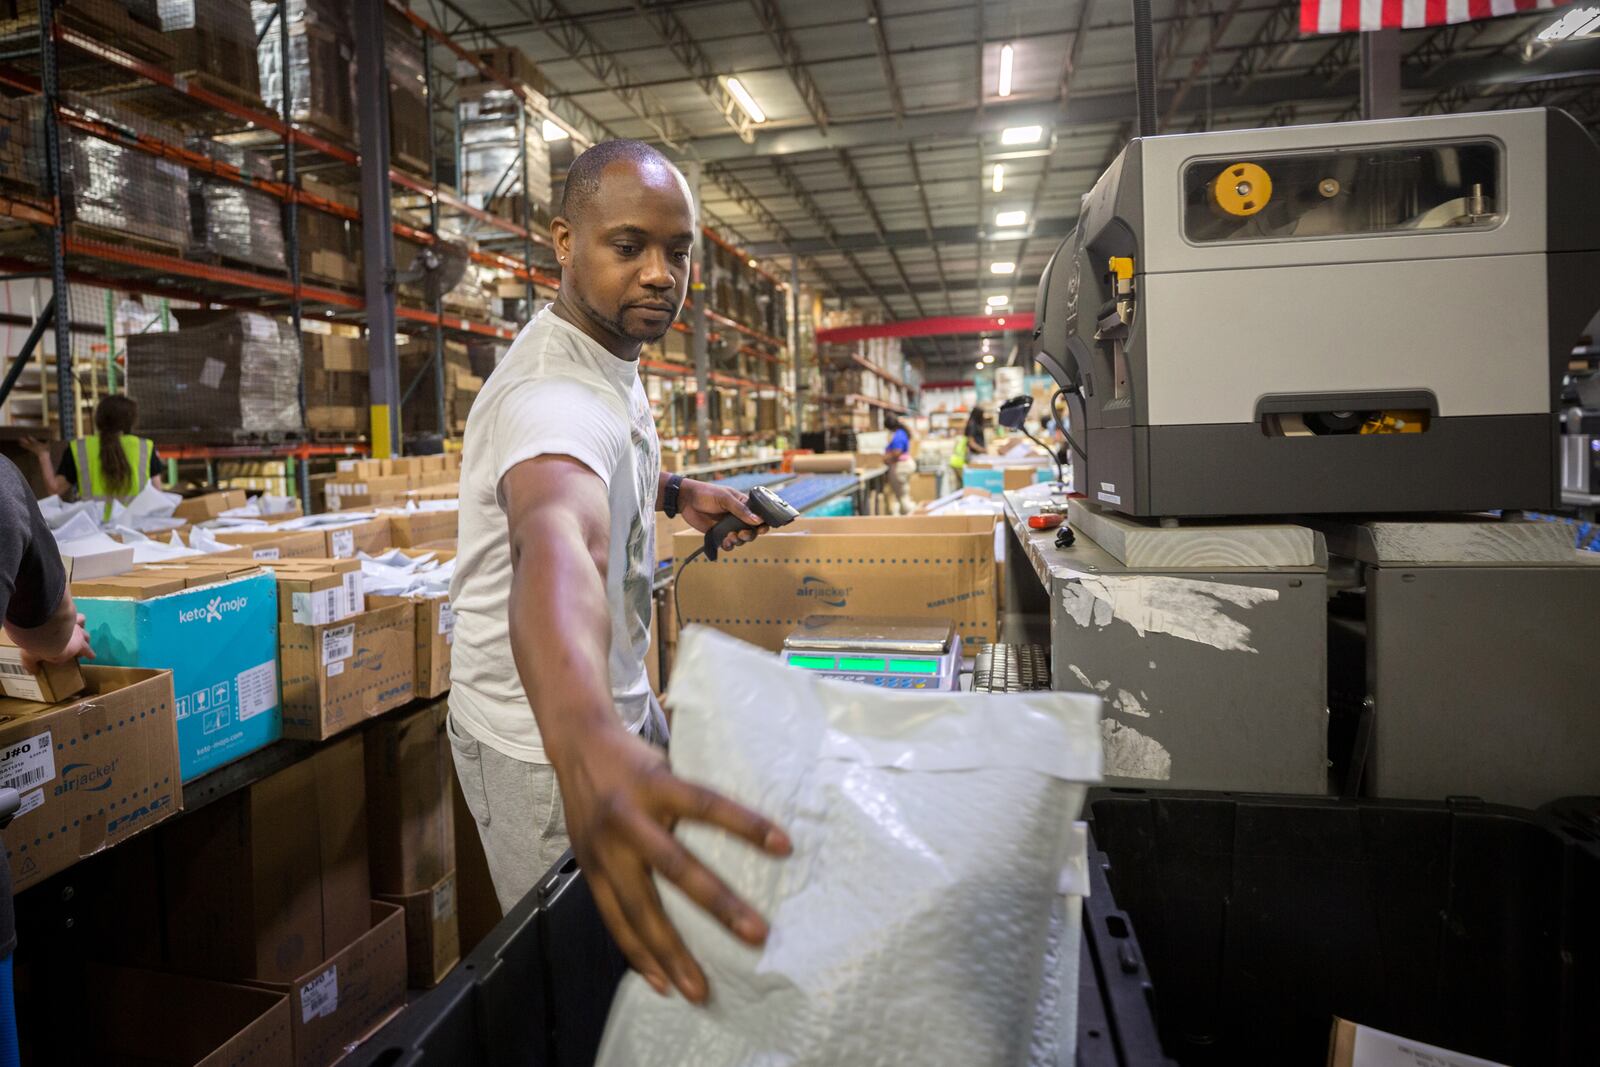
(909, 927)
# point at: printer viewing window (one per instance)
(1343, 192)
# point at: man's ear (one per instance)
(561, 235)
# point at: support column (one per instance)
(377, 248)
(66, 396)
(699, 293)
(1380, 74)
(793, 340)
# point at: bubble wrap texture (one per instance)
(909, 926)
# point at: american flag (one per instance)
(1343, 16)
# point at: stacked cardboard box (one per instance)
(370, 483)
(222, 371)
(461, 388)
(119, 730)
(321, 64)
(213, 623)
(502, 141)
(231, 221)
(270, 885)
(409, 128)
(336, 382)
(220, 1023)
(411, 834)
(330, 245)
(111, 192)
(214, 39)
(16, 148)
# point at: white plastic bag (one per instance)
(931, 831)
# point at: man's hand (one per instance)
(621, 805)
(704, 505)
(77, 647)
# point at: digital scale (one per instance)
(887, 652)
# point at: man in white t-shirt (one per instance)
(560, 479)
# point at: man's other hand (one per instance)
(77, 647)
(704, 505)
(621, 805)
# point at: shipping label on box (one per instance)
(352, 993)
(339, 674)
(91, 771)
(371, 537)
(220, 640)
(918, 567)
(433, 937)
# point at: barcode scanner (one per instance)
(773, 509)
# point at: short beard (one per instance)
(619, 326)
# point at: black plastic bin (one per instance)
(1459, 924)
(537, 992)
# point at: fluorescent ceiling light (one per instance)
(1003, 267)
(999, 183)
(986, 344)
(989, 358)
(752, 262)
(978, 365)
(1011, 218)
(999, 300)
(1578, 22)
(554, 131)
(746, 101)
(1021, 134)
(1006, 57)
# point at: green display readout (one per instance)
(847, 663)
(813, 663)
(914, 666)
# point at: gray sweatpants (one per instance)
(517, 806)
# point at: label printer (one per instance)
(1357, 317)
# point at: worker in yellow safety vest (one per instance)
(970, 442)
(111, 465)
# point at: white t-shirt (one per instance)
(556, 392)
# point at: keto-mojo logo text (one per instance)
(813, 588)
(213, 610)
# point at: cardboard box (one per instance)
(148, 1017)
(410, 821)
(1354, 1045)
(314, 592)
(370, 536)
(921, 567)
(353, 992)
(268, 545)
(924, 487)
(49, 683)
(342, 673)
(267, 882)
(115, 742)
(419, 527)
(219, 639)
(433, 938)
(666, 530)
(209, 505)
(336, 418)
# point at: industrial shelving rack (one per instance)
(516, 248)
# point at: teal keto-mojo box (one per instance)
(220, 642)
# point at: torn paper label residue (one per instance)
(1084, 680)
(1130, 754)
(1188, 608)
(1129, 704)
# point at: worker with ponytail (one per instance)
(111, 465)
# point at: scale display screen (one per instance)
(875, 664)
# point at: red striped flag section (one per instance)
(1344, 16)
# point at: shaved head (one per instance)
(584, 176)
(624, 240)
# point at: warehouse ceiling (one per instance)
(883, 120)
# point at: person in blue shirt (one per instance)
(897, 457)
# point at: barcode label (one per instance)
(258, 689)
(320, 996)
(444, 900)
(315, 609)
(447, 620)
(266, 553)
(343, 543)
(28, 762)
(338, 644)
(15, 669)
(29, 802)
(355, 596)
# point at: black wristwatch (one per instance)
(669, 501)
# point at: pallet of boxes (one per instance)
(369, 483)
